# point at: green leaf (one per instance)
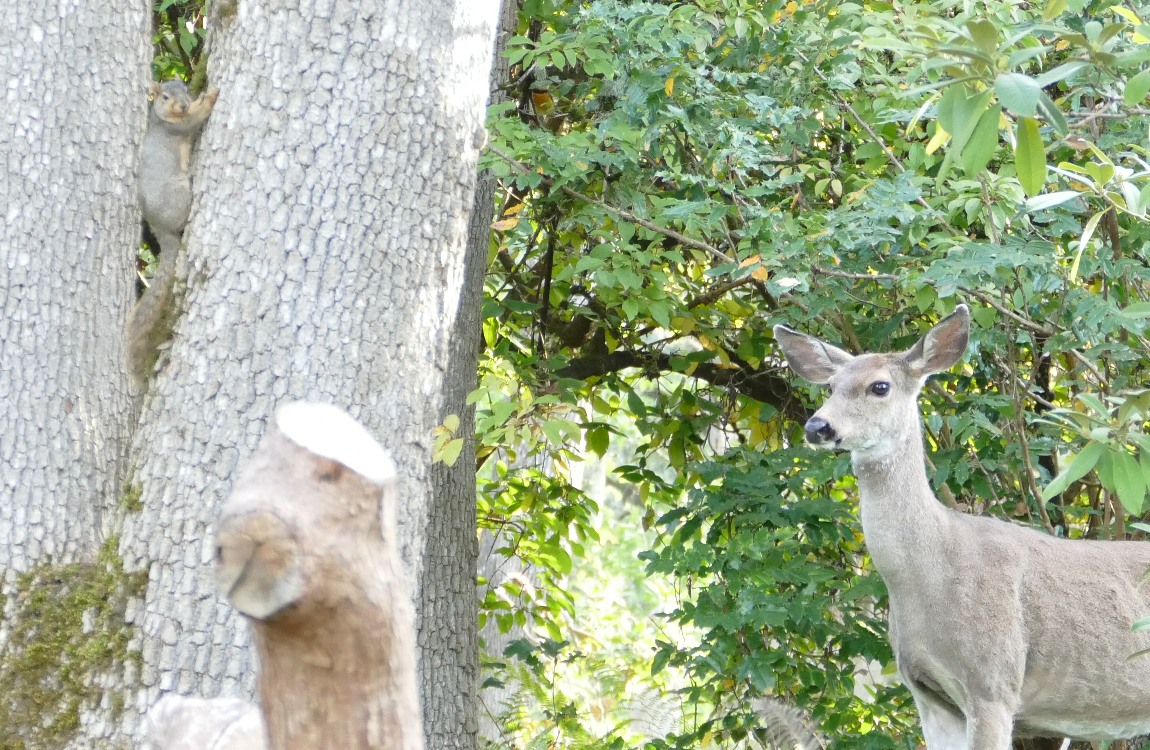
(1095, 404)
(1075, 470)
(1137, 310)
(1026, 54)
(598, 440)
(1136, 89)
(659, 662)
(1030, 157)
(983, 142)
(985, 36)
(1050, 200)
(959, 114)
(559, 430)
(1054, 75)
(1134, 57)
(1053, 9)
(1018, 92)
(1144, 467)
(1128, 481)
(1100, 173)
(1104, 469)
(1053, 115)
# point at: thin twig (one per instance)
(855, 276)
(1082, 359)
(717, 291)
(1124, 114)
(1026, 323)
(1023, 444)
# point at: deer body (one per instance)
(998, 630)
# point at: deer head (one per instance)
(872, 408)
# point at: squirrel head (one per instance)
(170, 99)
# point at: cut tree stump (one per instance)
(307, 550)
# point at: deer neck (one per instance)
(903, 522)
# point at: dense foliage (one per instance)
(677, 177)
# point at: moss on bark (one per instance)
(66, 634)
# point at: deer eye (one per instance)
(880, 388)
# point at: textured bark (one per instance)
(68, 240)
(327, 257)
(491, 566)
(75, 77)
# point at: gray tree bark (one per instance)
(493, 566)
(327, 261)
(75, 77)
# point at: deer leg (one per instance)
(942, 727)
(990, 727)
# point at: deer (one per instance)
(997, 629)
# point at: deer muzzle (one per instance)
(820, 432)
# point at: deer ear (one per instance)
(942, 346)
(813, 359)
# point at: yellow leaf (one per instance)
(669, 86)
(939, 139)
(760, 274)
(1128, 14)
(504, 224)
(749, 261)
(542, 101)
(512, 210)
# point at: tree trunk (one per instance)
(479, 239)
(326, 257)
(76, 77)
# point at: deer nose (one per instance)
(819, 431)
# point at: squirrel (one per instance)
(165, 193)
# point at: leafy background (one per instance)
(677, 177)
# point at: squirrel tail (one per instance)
(786, 727)
(152, 319)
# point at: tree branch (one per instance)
(763, 386)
